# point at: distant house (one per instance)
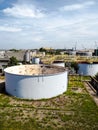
(4, 61)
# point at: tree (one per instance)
(42, 49)
(75, 66)
(13, 61)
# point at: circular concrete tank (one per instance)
(88, 68)
(35, 81)
(35, 60)
(59, 63)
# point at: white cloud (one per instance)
(10, 29)
(56, 29)
(77, 6)
(23, 11)
(80, 27)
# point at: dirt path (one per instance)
(91, 92)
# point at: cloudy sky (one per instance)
(48, 23)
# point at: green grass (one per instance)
(73, 110)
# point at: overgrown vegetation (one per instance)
(75, 66)
(73, 110)
(13, 61)
(50, 51)
(14, 50)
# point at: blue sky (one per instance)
(48, 23)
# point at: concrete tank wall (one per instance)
(60, 64)
(88, 69)
(36, 87)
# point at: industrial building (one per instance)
(84, 53)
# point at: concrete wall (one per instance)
(88, 69)
(36, 87)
